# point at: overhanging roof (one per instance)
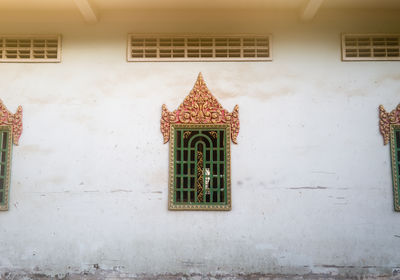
(91, 9)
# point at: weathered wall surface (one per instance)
(311, 179)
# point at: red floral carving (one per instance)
(15, 120)
(386, 119)
(200, 107)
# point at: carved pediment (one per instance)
(386, 119)
(14, 120)
(200, 107)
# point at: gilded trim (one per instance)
(9, 129)
(200, 176)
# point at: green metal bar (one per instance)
(397, 151)
(1, 146)
(2, 187)
(211, 172)
(190, 177)
(182, 149)
(175, 166)
(4, 152)
(195, 173)
(396, 162)
(204, 168)
(225, 185)
(195, 182)
(218, 173)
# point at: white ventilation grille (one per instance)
(371, 46)
(198, 48)
(37, 48)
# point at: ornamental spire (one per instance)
(200, 107)
(13, 120)
(386, 119)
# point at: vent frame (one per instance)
(30, 48)
(381, 40)
(185, 50)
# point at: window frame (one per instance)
(4, 205)
(395, 159)
(173, 205)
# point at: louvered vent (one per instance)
(36, 48)
(371, 46)
(198, 48)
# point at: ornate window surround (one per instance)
(10, 132)
(200, 111)
(389, 125)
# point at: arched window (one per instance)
(200, 163)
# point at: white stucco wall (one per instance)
(311, 179)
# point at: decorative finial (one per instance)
(386, 119)
(200, 107)
(14, 120)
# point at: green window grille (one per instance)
(395, 153)
(200, 174)
(5, 158)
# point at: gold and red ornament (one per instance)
(200, 107)
(13, 120)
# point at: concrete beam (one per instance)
(87, 10)
(310, 9)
